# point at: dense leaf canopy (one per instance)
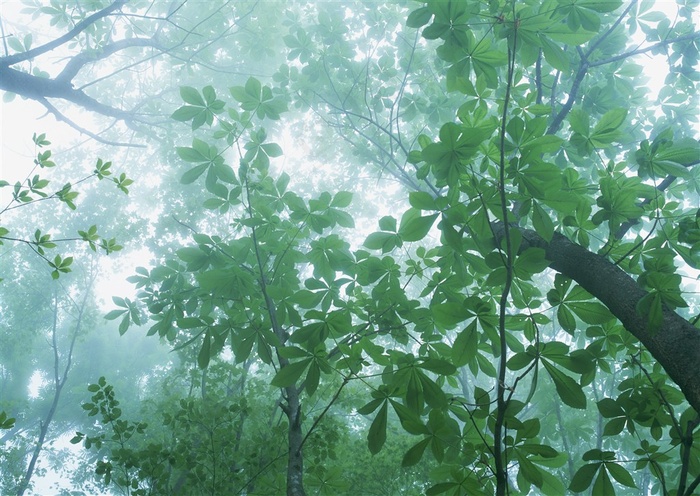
(442, 247)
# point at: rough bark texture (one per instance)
(676, 346)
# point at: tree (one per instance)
(537, 281)
(101, 32)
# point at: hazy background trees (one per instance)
(344, 214)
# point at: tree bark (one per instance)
(295, 462)
(676, 346)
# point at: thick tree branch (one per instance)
(37, 88)
(676, 346)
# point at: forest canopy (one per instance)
(350, 247)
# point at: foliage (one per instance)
(34, 189)
(521, 322)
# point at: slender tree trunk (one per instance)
(295, 462)
(60, 379)
(45, 423)
(564, 439)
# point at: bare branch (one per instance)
(687, 37)
(621, 17)
(77, 62)
(59, 116)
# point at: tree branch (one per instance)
(77, 29)
(60, 117)
(676, 346)
(78, 61)
(687, 37)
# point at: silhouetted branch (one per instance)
(47, 47)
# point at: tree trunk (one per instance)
(59, 382)
(676, 346)
(295, 462)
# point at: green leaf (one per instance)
(438, 366)
(591, 312)
(414, 454)
(566, 319)
(609, 408)
(371, 406)
(387, 223)
(204, 352)
(186, 112)
(413, 227)
(193, 174)
(684, 151)
(384, 241)
(607, 129)
(529, 471)
(190, 322)
(465, 345)
(419, 17)
(542, 222)
(421, 200)
(554, 54)
(341, 199)
(450, 314)
(192, 96)
(615, 426)
(620, 474)
(600, 5)
(584, 477)
(579, 121)
(569, 390)
(290, 374)
(376, 437)
(603, 486)
(115, 314)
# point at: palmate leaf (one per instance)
(457, 144)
